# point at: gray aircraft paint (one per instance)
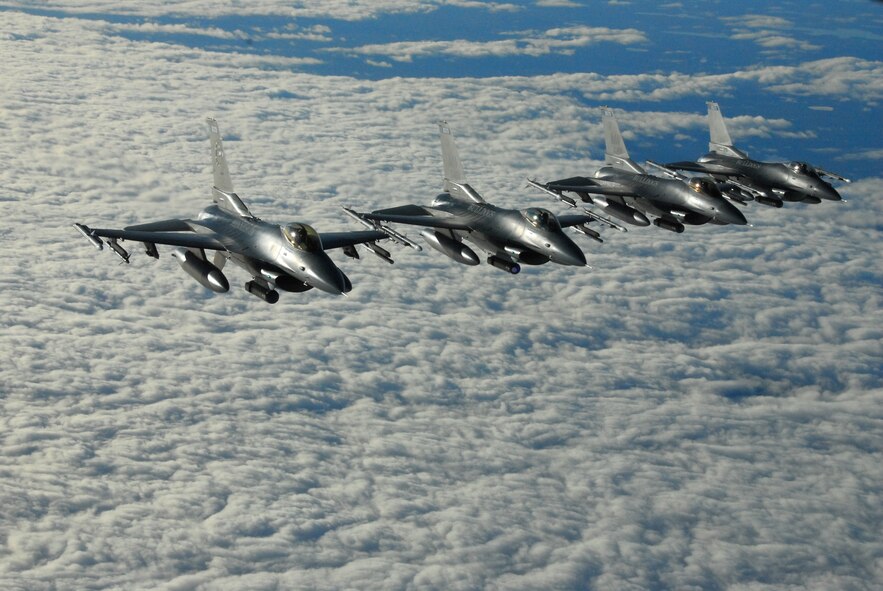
(624, 189)
(767, 182)
(533, 236)
(289, 257)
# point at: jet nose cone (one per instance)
(730, 214)
(830, 193)
(568, 253)
(330, 279)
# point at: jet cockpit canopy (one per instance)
(705, 186)
(541, 218)
(302, 237)
(801, 168)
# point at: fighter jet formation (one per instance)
(623, 188)
(292, 256)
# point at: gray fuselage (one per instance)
(262, 249)
(672, 199)
(795, 180)
(507, 233)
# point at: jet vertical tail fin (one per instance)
(222, 190)
(455, 182)
(453, 168)
(219, 161)
(615, 152)
(719, 137)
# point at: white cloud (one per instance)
(561, 40)
(872, 154)
(489, 6)
(767, 31)
(773, 40)
(320, 33)
(175, 29)
(842, 77)
(559, 3)
(699, 411)
(337, 9)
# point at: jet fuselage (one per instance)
(262, 249)
(672, 198)
(510, 233)
(797, 181)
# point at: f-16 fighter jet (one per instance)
(288, 257)
(768, 183)
(511, 237)
(623, 189)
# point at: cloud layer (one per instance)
(562, 40)
(336, 9)
(698, 411)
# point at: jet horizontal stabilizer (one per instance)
(462, 189)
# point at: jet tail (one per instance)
(615, 152)
(222, 191)
(455, 182)
(719, 137)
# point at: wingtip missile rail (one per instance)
(823, 172)
(90, 236)
(666, 171)
(370, 224)
(555, 194)
(393, 235)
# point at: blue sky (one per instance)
(712, 38)
(696, 411)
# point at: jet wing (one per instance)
(833, 175)
(414, 215)
(185, 239)
(419, 220)
(593, 188)
(698, 167)
(342, 239)
(569, 220)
